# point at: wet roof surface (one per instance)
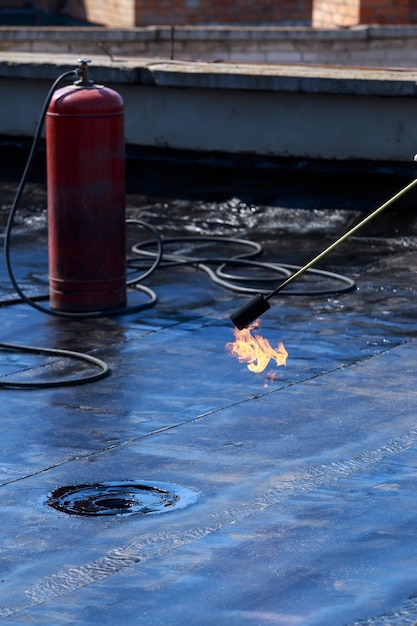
(284, 497)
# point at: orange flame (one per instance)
(255, 350)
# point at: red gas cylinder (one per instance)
(86, 198)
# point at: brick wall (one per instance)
(344, 13)
(335, 13)
(112, 13)
(131, 13)
(223, 12)
(384, 12)
(315, 13)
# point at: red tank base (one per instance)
(86, 298)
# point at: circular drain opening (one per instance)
(120, 498)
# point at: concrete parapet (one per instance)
(273, 110)
(371, 45)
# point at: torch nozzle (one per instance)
(250, 311)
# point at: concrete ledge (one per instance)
(273, 110)
(372, 45)
(65, 34)
(230, 76)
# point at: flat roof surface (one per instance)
(192, 489)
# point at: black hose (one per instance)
(104, 370)
(230, 281)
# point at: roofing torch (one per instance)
(257, 305)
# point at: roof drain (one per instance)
(120, 498)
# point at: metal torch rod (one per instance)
(341, 239)
(247, 313)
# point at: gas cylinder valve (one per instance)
(82, 72)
